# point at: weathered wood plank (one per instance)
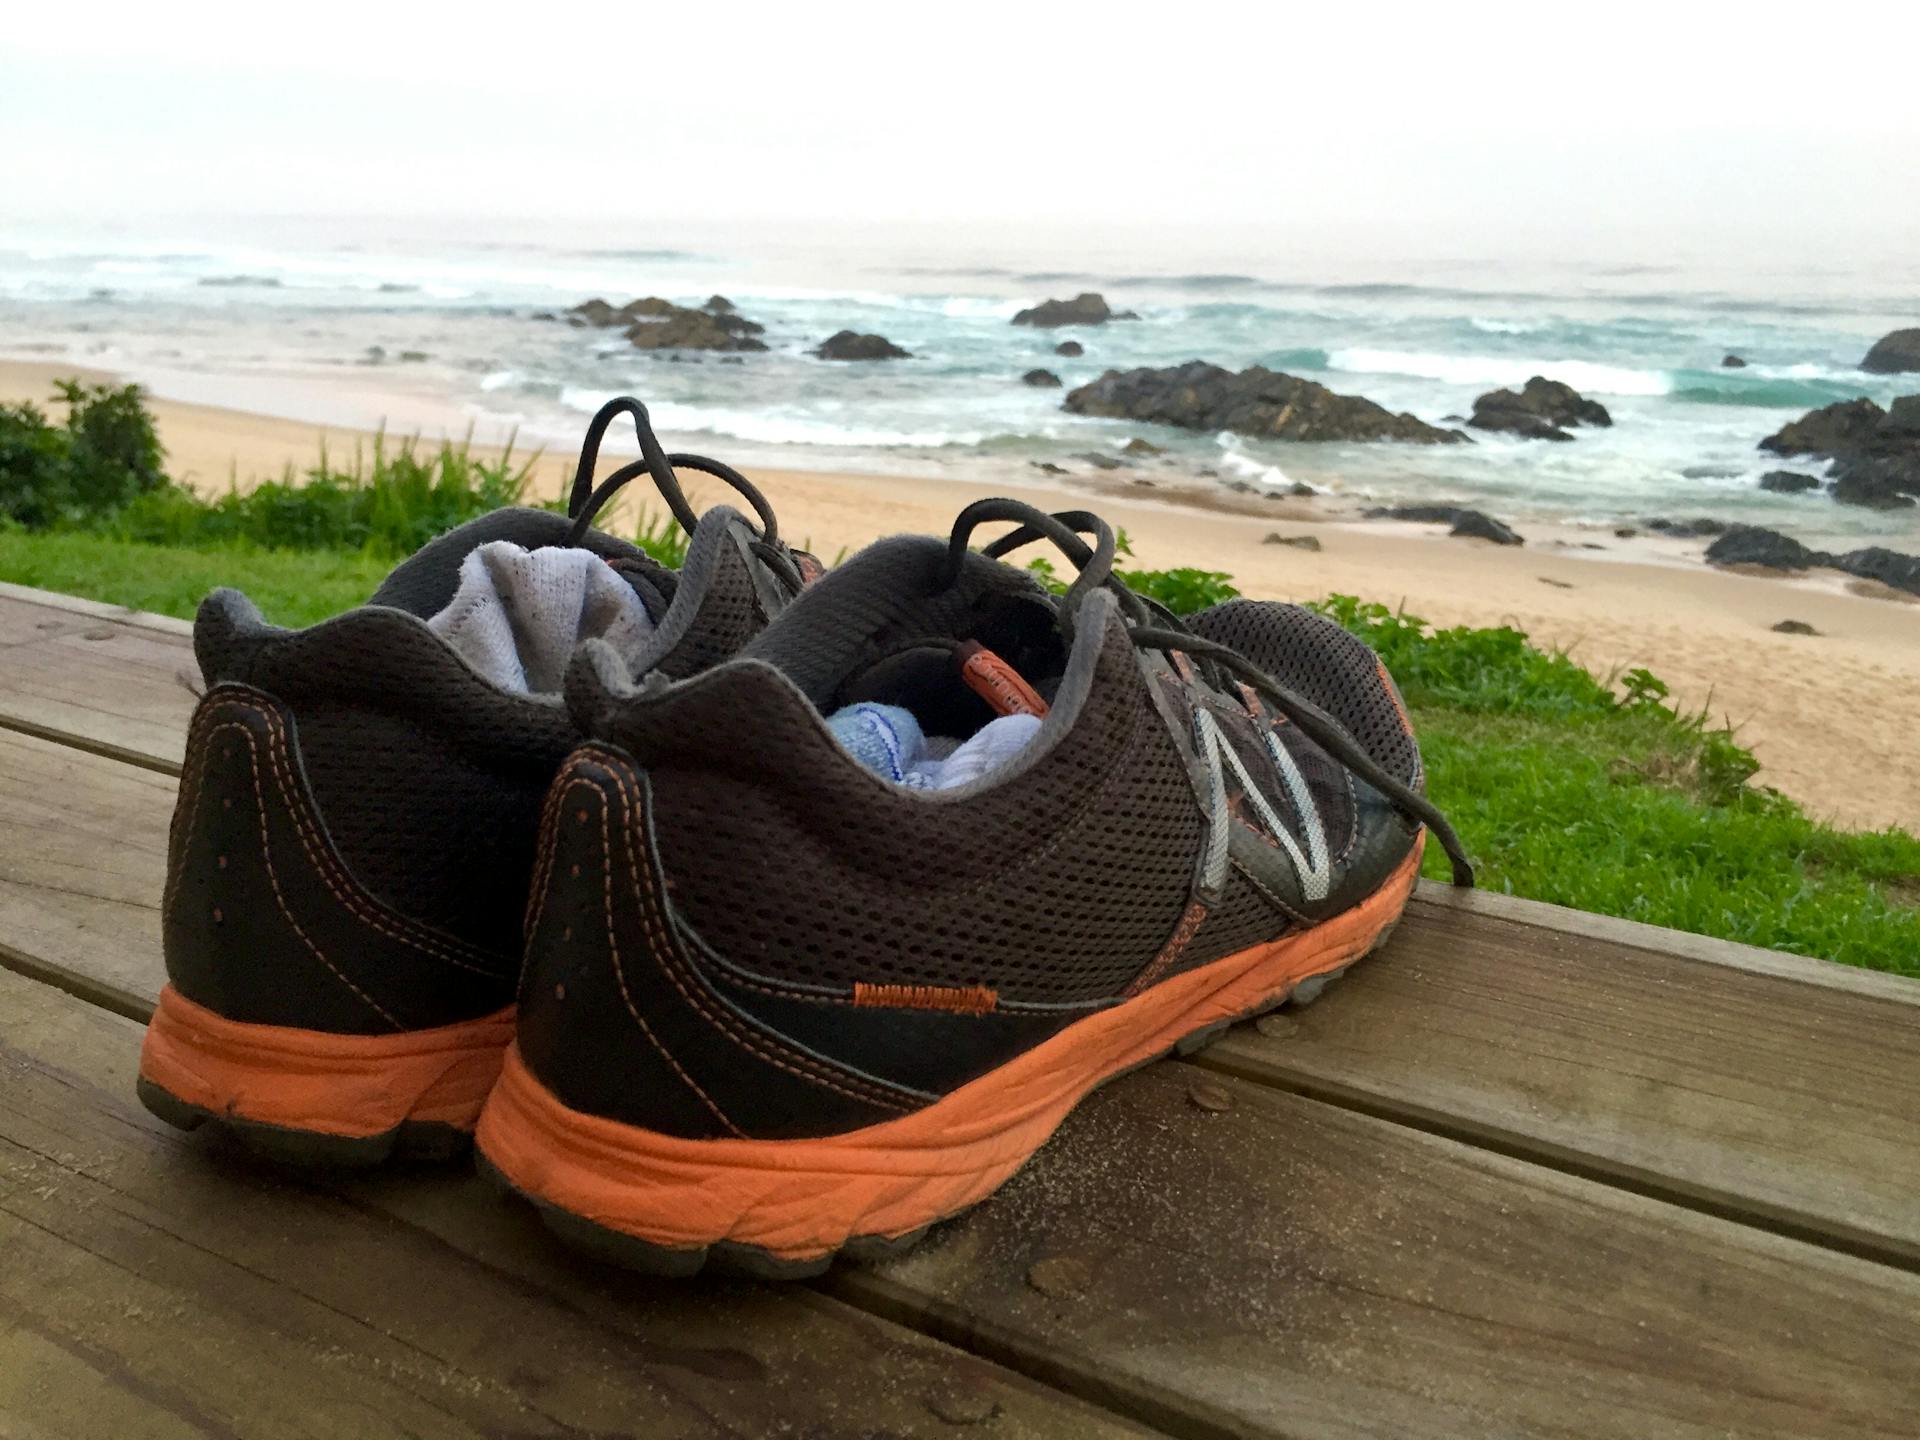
(148, 1287)
(1753, 1091)
(98, 677)
(83, 856)
(1290, 1268)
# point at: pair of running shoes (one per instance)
(745, 914)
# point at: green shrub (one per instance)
(35, 482)
(87, 469)
(114, 454)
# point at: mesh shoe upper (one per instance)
(722, 853)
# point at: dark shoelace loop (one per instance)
(586, 500)
(1152, 626)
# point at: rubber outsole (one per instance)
(624, 1247)
(312, 1097)
(426, 1142)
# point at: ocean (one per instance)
(241, 313)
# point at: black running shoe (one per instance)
(826, 941)
(349, 862)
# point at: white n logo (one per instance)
(1315, 867)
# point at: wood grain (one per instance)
(1746, 1091)
(1288, 1268)
(150, 1287)
(110, 682)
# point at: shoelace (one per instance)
(1152, 626)
(586, 501)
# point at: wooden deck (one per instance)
(1526, 1172)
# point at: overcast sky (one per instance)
(1749, 120)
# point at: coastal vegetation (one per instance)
(1589, 791)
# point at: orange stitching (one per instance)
(340, 883)
(654, 917)
(273, 878)
(961, 999)
(620, 970)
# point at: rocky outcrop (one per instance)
(1041, 379)
(847, 345)
(1875, 452)
(718, 305)
(1894, 354)
(1688, 529)
(1087, 308)
(1137, 446)
(1466, 524)
(1788, 482)
(1793, 627)
(1732, 362)
(1770, 550)
(651, 323)
(1539, 410)
(1258, 401)
(1072, 349)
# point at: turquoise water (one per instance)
(1644, 339)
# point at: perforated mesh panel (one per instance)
(1059, 887)
(727, 616)
(1332, 668)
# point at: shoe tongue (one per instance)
(893, 593)
(718, 601)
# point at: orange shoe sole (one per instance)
(783, 1208)
(309, 1096)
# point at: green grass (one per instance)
(292, 588)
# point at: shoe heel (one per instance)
(308, 1096)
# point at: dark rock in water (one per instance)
(846, 345)
(1788, 482)
(1087, 308)
(1298, 542)
(413, 357)
(1072, 349)
(1794, 627)
(1261, 402)
(1769, 549)
(1833, 429)
(544, 315)
(1732, 362)
(682, 329)
(1689, 529)
(1625, 532)
(1045, 379)
(1467, 524)
(1875, 452)
(1883, 483)
(1894, 354)
(1710, 472)
(1049, 467)
(1539, 410)
(1876, 562)
(718, 305)
(1137, 446)
(1098, 461)
(1903, 417)
(655, 324)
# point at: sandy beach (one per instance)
(1830, 716)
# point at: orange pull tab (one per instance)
(997, 682)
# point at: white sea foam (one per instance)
(1235, 461)
(1584, 375)
(500, 379)
(1502, 327)
(770, 427)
